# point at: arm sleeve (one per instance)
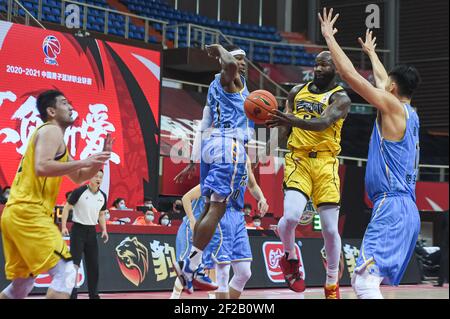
(106, 199)
(76, 194)
(205, 123)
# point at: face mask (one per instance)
(6, 195)
(178, 207)
(107, 216)
(149, 218)
(257, 224)
(122, 206)
(165, 222)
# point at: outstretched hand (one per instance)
(279, 118)
(327, 23)
(369, 45)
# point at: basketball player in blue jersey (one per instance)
(223, 156)
(391, 169)
(230, 246)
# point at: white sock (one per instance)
(195, 258)
(294, 205)
(332, 277)
(329, 216)
(177, 289)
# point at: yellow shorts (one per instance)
(316, 178)
(32, 243)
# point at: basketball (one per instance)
(259, 104)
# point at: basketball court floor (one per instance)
(421, 291)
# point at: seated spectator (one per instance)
(108, 218)
(247, 210)
(148, 202)
(164, 220)
(255, 224)
(177, 211)
(146, 220)
(119, 204)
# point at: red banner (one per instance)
(111, 87)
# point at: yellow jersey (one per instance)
(309, 105)
(30, 189)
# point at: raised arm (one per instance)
(339, 108)
(230, 67)
(384, 101)
(379, 72)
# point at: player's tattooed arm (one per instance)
(338, 109)
(284, 131)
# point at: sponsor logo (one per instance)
(132, 257)
(51, 48)
(272, 252)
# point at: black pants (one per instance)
(83, 239)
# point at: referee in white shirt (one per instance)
(89, 205)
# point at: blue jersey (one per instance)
(197, 208)
(236, 199)
(392, 166)
(228, 113)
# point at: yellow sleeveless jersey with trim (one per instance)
(28, 188)
(309, 105)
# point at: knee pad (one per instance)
(222, 277)
(242, 274)
(19, 288)
(366, 285)
(63, 277)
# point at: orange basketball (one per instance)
(259, 104)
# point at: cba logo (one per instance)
(132, 257)
(273, 251)
(51, 48)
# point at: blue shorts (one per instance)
(390, 238)
(183, 243)
(230, 241)
(222, 165)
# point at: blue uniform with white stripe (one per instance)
(390, 180)
(223, 152)
(184, 238)
(230, 241)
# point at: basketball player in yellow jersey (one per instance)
(315, 112)
(32, 243)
